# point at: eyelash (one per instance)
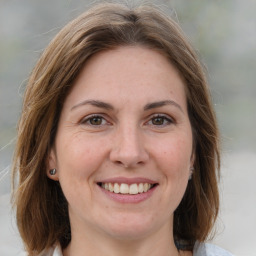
(88, 120)
(165, 119)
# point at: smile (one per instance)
(123, 188)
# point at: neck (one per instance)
(159, 243)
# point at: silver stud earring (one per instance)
(53, 171)
(191, 173)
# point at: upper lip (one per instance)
(128, 181)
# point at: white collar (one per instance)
(200, 249)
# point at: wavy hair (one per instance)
(41, 208)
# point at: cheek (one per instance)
(173, 159)
(78, 160)
(79, 157)
(175, 154)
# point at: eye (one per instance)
(160, 120)
(94, 120)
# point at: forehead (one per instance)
(128, 71)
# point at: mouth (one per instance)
(127, 189)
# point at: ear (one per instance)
(192, 159)
(52, 164)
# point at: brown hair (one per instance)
(42, 214)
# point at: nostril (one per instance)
(128, 165)
(120, 163)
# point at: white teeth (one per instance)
(145, 187)
(116, 188)
(141, 188)
(133, 189)
(124, 188)
(110, 187)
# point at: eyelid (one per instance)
(168, 118)
(85, 119)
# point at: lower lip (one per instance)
(127, 198)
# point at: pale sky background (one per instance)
(223, 31)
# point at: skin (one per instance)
(125, 139)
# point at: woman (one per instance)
(117, 145)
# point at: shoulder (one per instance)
(57, 251)
(202, 249)
(54, 251)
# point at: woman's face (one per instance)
(124, 127)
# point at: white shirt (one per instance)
(200, 249)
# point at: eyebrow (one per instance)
(104, 105)
(96, 103)
(161, 104)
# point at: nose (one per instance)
(128, 148)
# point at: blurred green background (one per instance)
(224, 34)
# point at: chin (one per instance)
(131, 227)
